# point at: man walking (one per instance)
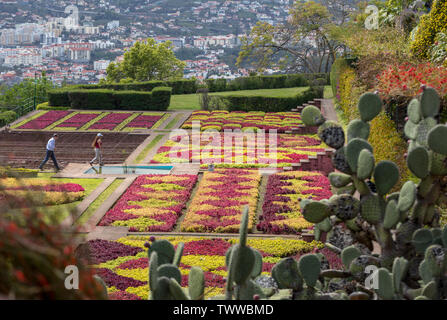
(50, 153)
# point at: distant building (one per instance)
(113, 24)
(101, 65)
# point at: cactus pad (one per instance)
(358, 129)
(407, 196)
(400, 267)
(422, 239)
(349, 254)
(316, 212)
(340, 162)
(430, 103)
(411, 130)
(164, 249)
(311, 116)
(438, 164)
(257, 267)
(242, 262)
(178, 254)
(196, 283)
(169, 271)
(177, 291)
(153, 266)
(392, 215)
(365, 165)
(386, 175)
(418, 162)
(353, 151)
(332, 134)
(162, 292)
(325, 225)
(345, 207)
(423, 129)
(287, 275)
(339, 180)
(371, 210)
(436, 139)
(309, 266)
(386, 288)
(369, 106)
(414, 111)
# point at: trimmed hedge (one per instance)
(183, 86)
(7, 117)
(158, 99)
(265, 82)
(271, 104)
(58, 97)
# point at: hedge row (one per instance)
(271, 104)
(183, 86)
(158, 99)
(266, 82)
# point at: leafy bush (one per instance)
(430, 25)
(438, 52)
(216, 85)
(218, 103)
(7, 117)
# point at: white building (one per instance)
(101, 65)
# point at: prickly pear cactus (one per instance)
(404, 224)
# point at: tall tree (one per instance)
(145, 61)
(23, 92)
(301, 43)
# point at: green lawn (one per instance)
(191, 101)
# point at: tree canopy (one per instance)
(145, 61)
(302, 43)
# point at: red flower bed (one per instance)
(406, 80)
(152, 203)
(281, 209)
(110, 121)
(78, 120)
(45, 120)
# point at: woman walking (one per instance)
(97, 144)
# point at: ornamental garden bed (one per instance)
(233, 150)
(151, 203)
(281, 212)
(56, 197)
(27, 149)
(123, 264)
(56, 120)
(238, 120)
(39, 192)
(221, 196)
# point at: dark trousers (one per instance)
(50, 154)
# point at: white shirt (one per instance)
(51, 144)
